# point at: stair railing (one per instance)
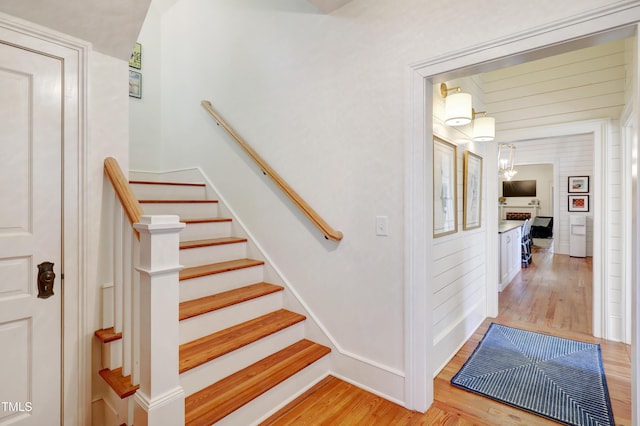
(144, 306)
(328, 232)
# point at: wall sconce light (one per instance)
(484, 128)
(457, 107)
(506, 158)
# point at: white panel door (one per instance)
(30, 234)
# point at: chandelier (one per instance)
(506, 157)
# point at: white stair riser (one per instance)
(168, 192)
(112, 354)
(277, 397)
(212, 254)
(206, 374)
(184, 210)
(205, 230)
(211, 322)
(196, 288)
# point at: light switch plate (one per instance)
(382, 226)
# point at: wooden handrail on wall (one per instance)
(327, 231)
(122, 189)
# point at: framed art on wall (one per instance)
(135, 61)
(578, 203)
(471, 191)
(579, 184)
(135, 84)
(445, 215)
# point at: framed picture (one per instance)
(471, 191)
(135, 84)
(579, 184)
(135, 61)
(578, 203)
(445, 206)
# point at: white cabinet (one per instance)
(510, 257)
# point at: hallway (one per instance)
(554, 296)
(551, 296)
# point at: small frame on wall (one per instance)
(578, 203)
(579, 184)
(445, 206)
(135, 61)
(135, 84)
(472, 191)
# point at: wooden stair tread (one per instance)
(207, 348)
(178, 201)
(147, 182)
(217, 268)
(206, 220)
(211, 242)
(222, 398)
(107, 335)
(192, 308)
(119, 383)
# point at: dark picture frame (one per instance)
(578, 203)
(578, 184)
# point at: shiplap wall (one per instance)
(587, 84)
(459, 261)
(574, 157)
(581, 85)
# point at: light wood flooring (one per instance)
(552, 296)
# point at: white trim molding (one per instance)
(596, 26)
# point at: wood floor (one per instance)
(551, 296)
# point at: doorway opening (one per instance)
(545, 42)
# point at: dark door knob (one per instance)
(46, 276)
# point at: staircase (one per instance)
(241, 354)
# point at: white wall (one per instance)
(322, 98)
(543, 175)
(108, 136)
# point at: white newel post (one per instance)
(160, 399)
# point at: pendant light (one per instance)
(506, 158)
(457, 106)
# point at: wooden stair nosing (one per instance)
(214, 402)
(120, 384)
(210, 242)
(178, 201)
(206, 220)
(218, 268)
(203, 305)
(107, 335)
(207, 348)
(147, 182)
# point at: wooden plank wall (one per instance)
(458, 269)
(580, 85)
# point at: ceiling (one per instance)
(328, 6)
(112, 26)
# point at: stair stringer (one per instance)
(382, 380)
